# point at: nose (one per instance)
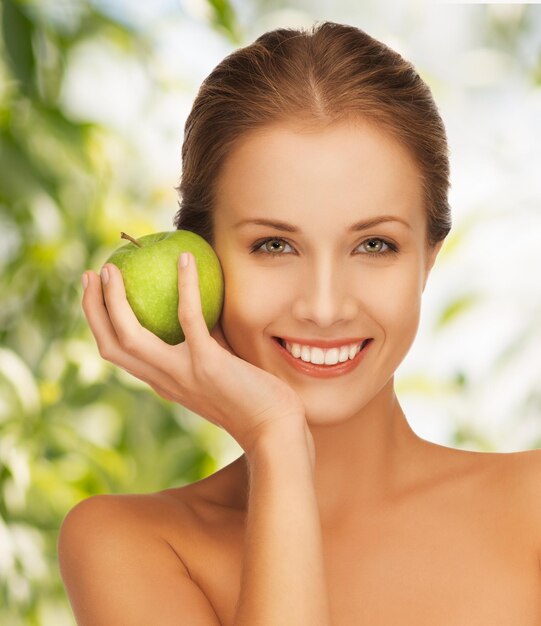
(325, 296)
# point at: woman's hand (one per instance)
(202, 373)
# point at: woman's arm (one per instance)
(283, 579)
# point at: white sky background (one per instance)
(493, 119)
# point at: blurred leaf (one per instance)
(456, 308)
(461, 380)
(20, 176)
(17, 31)
(536, 70)
(467, 438)
(459, 233)
(224, 17)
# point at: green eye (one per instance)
(372, 240)
(264, 242)
(257, 247)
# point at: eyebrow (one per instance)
(291, 228)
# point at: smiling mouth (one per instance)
(323, 370)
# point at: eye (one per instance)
(381, 243)
(258, 245)
(391, 248)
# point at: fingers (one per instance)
(122, 339)
(132, 337)
(190, 314)
(108, 343)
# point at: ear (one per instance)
(432, 253)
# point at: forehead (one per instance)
(353, 168)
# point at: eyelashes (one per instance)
(392, 249)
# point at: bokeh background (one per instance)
(93, 100)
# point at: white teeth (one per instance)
(320, 356)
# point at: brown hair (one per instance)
(320, 76)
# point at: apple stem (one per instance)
(125, 236)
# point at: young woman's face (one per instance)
(319, 279)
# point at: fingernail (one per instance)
(104, 275)
(85, 281)
(183, 259)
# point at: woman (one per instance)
(315, 163)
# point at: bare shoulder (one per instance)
(119, 565)
(516, 481)
(173, 524)
(508, 473)
(510, 481)
(519, 472)
(121, 522)
(523, 474)
(132, 512)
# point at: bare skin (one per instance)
(413, 532)
(457, 546)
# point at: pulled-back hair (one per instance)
(318, 76)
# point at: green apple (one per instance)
(149, 267)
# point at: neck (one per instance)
(361, 462)
(366, 459)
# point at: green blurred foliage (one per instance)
(71, 425)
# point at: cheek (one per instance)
(393, 301)
(403, 312)
(252, 299)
